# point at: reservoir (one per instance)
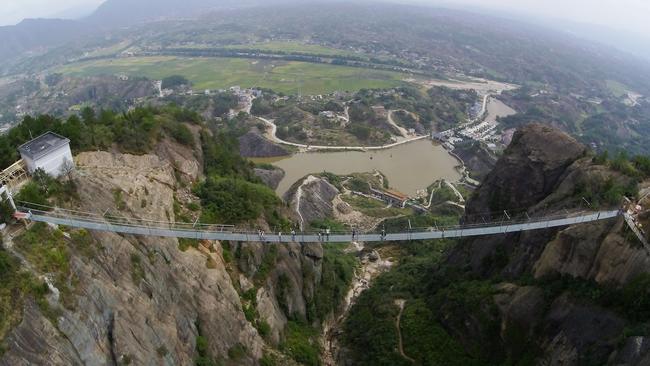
(408, 167)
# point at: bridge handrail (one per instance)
(204, 228)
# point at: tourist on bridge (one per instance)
(293, 235)
(327, 233)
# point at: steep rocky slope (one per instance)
(312, 199)
(143, 300)
(254, 145)
(576, 295)
(271, 178)
(544, 172)
(539, 301)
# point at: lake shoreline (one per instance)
(409, 167)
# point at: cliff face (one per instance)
(143, 301)
(271, 178)
(528, 171)
(544, 172)
(254, 145)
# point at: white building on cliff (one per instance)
(49, 151)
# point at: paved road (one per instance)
(272, 135)
(161, 231)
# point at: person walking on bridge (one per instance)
(293, 235)
(327, 234)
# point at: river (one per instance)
(409, 167)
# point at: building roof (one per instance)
(395, 194)
(42, 145)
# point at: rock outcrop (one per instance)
(528, 171)
(544, 172)
(254, 145)
(271, 178)
(539, 174)
(313, 199)
(141, 300)
(477, 159)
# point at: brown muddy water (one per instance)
(409, 167)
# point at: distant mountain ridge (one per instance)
(114, 13)
(33, 34)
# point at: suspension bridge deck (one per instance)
(207, 232)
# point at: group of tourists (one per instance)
(323, 235)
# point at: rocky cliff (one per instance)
(543, 172)
(540, 300)
(254, 145)
(271, 178)
(312, 199)
(151, 301)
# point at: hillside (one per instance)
(570, 296)
(39, 35)
(117, 13)
(593, 92)
(104, 298)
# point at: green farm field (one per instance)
(289, 47)
(290, 77)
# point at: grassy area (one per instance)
(220, 73)
(293, 47)
(301, 343)
(427, 341)
(15, 287)
(374, 208)
(442, 194)
(370, 333)
(109, 50)
(617, 88)
(49, 251)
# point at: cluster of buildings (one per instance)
(482, 127)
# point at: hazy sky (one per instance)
(629, 15)
(13, 11)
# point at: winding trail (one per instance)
(461, 199)
(452, 187)
(271, 134)
(298, 197)
(391, 121)
(401, 303)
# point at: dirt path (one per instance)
(391, 121)
(298, 197)
(401, 303)
(453, 188)
(271, 134)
